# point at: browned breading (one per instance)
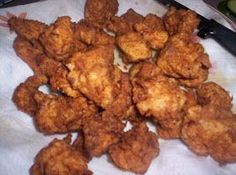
(28, 51)
(153, 31)
(100, 132)
(58, 39)
(100, 11)
(137, 148)
(125, 23)
(26, 28)
(24, 93)
(180, 21)
(134, 47)
(60, 114)
(59, 158)
(160, 98)
(209, 130)
(214, 94)
(184, 60)
(91, 35)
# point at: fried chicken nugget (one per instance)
(125, 23)
(184, 60)
(160, 98)
(57, 75)
(153, 31)
(100, 132)
(214, 94)
(93, 74)
(58, 39)
(60, 114)
(134, 48)
(137, 148)
(59, 158)
(100, 11)
(28, 51)
(209, 130)
(24, 93)
(91, 35)
(180, 21)
(26, 28)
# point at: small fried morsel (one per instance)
(180, 21)
(28, 51)
(60, 114)
(99, 11)
(125, 23)
(153, 31)
(134, 47)
(92, 72)
(160, 98)
(24, 94)
(137, 148)
(184, 60)
(58, 39)
(26, 28)
(100, 132)
(214, 94)
(209, 130)
(60, 158)
(91, 35)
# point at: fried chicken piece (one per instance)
(24, 93)
(100, 132)
(209, 130)
(153, 31)
(57, 75)
(93, 74)
(100, 11)
(91, 35)
(137, 148)
(160, 98)
(214, 94)
(180, 21)
(60, 114)
(58, 39)
(134, 47)
(59, 158)
(125, 23)
(28, 51)
(26, 28)
(184, 60)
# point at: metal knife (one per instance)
(209, 28)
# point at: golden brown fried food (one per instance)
(26, 28)
(57, 75)
(100, 11)
(180, 21)
(184, 60)
(60, 158)
(94, 75)
(58, 39)
(153, 31)
(60, 114)
(28, 51)
(133, 47)
(209, 130)
(160, 98)
(214, 94)
(91, 35)
(125, 23)
(100, 132)
(137, 148)
(24, 93)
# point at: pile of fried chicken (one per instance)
(92, 96)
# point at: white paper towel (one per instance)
(20, 141)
